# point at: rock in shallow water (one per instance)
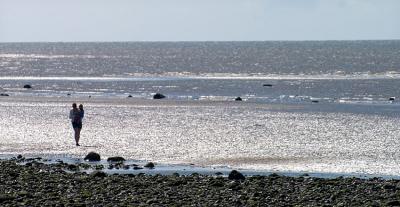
(158, 96)
(92, 157)
(149, 165)
(115, 159)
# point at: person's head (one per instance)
(80, 106)
(74, 105)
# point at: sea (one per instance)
(305, 106)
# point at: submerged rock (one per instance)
(158, 96)
(235, 175)
(115, 159)
(92, 157)
(238, 99)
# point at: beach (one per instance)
(32, 183)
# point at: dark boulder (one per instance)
(314, 101)
(149, 165)
(92, 157)
(4, 94)
(158, 96)
(130, 96)
(235, 175)
(392, 98)
(238, 99)
(27, 86)
(115, 159)
(267, 85)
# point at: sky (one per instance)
(197, 20)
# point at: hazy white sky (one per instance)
(197, 20)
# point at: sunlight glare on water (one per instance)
(250, 136)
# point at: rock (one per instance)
(149, 165)
(392, 98)
(235, 175)
(115, 159)
(314, 101)
(130, 96)
(92, 157)
(72, 167)
(20, 157)
(393, 203)
(267, 85)
(4, 94)
(137, 168)
(389, 187)
(27, 86)
(158, 96)
(6, 197)
(238, 99)
(68, 94)
(99, 174)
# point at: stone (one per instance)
(238, 99)
(392, 98)
(158, 96)
(4, 94)
(115, 159)
(92, 157)
(236, 175)
(99, 174)
(27, 86)
(149, 165)
(314, 101)
(130, 96)
(393, 203)
(267, 85)
(19, 157)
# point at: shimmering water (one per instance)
(327, 108)
(252, 136)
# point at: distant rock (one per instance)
(158, 96)
(115, 159)
(238, 99)
(92, 157)
(27, 86)
(314, 101)
(149, 165)
(4, 94)
(235, 175)
(130, 96)
(392, 98)
(267, 85)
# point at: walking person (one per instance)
(76, 118)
